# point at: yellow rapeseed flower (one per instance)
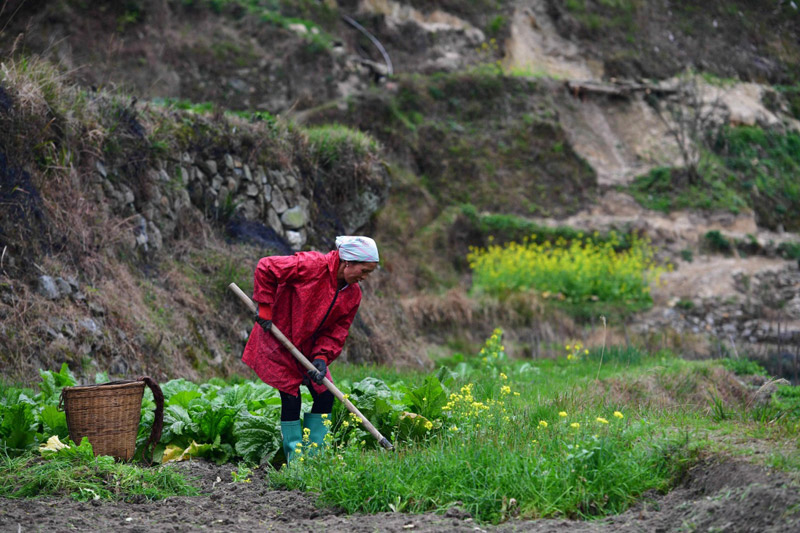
(562, 414)
(575, 425)
(602, 420)
(617, 414)
(505, 389)
(503, 376)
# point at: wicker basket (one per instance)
(108, 415)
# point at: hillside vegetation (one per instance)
(576, 203)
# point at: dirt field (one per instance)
(717, 495)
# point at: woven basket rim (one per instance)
(105, 386)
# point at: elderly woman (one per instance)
(312, 298)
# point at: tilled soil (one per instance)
(716, 495)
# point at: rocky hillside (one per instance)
(123, 225)
(160, 147)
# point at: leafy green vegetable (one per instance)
(17, 426)
(428, 399)
(54, 421)
(258, 437)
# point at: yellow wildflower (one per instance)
(542, 424)
(345, 423)
(617, 414)
(503, 376)
(324, 416)
(602, 420)
(505, 389)
(575, 425)
(562, 414)
(429, 425)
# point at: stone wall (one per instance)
(226, 188)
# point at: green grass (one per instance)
(332, 143)
(582, 435)
(77, 473)
(747, 168)
(500, 439)
(743, 367)
(767, 164)
(664, 189)
(502, 228)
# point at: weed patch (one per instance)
(74, 471)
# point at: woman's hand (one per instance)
(319, 374)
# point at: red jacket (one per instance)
(300, 288)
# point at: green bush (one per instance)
(717, 242)
(789, 250)
(743, 367)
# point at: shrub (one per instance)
(331, 143)
(717, 242)
(743, 367)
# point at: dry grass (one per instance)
(669, 391)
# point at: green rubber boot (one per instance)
(316, 425)
(292, 438)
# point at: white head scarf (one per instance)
(357, 248)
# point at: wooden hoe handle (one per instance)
(383, 441)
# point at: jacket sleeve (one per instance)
(272, 271)
(330, 341)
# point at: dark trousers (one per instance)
(290, 405)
